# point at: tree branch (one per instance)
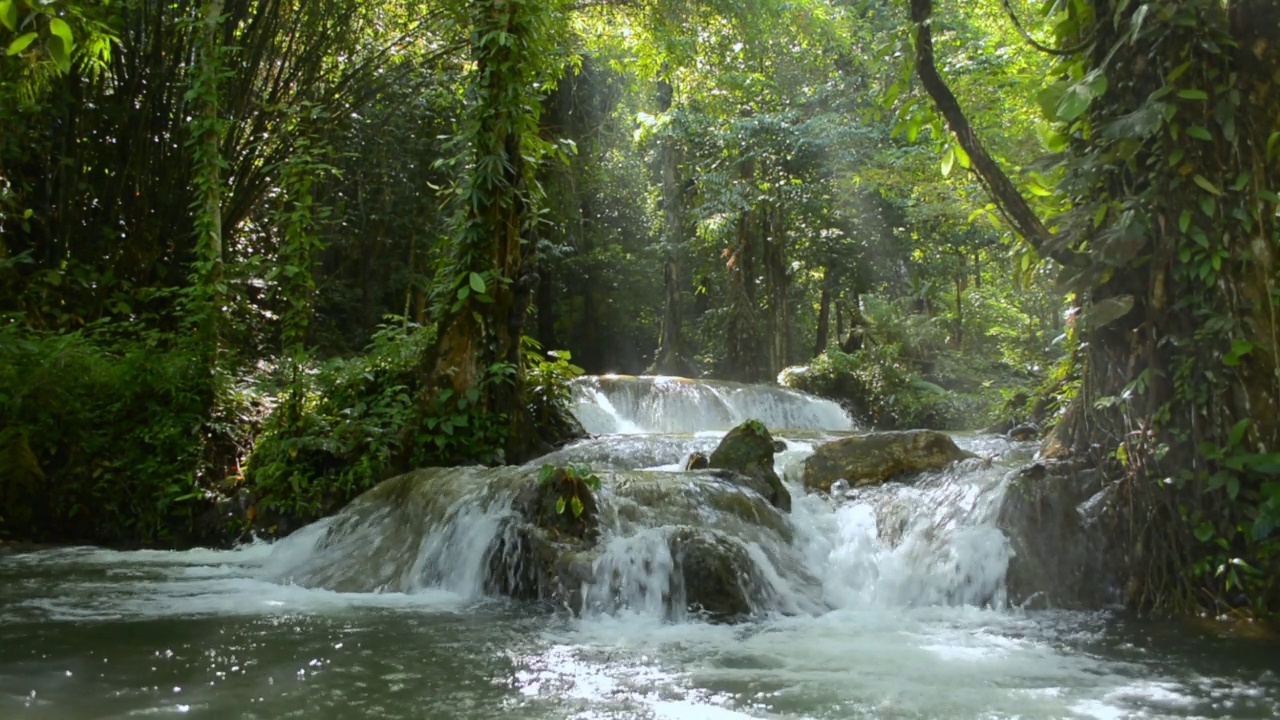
(1012, 205)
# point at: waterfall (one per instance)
(664, 534)
(627, 405)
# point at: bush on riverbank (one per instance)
(882, 389)
(113, 436)
(110, 436)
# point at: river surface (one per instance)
(912, 631)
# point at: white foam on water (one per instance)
(660, 404)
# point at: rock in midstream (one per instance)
(876, 457)
(748, 451)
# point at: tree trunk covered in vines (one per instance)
(475, 367)
(672, 357)
(1174, 112)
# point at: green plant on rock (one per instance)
(571, 479)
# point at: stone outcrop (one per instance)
(876, 457)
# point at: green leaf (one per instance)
(1208, 205)
(477, 282)
(1237, 432)
(1204, 183)
(1050, 97)
(60, 28)
(962, 157)
(948, 160)
(560, 505)
(21, 43)
(1204, 531)
(546, 472)
(1073, 103)
(1200, 132)
(61, 54)
(9, 14)
(1193, 94)
(1184, 220)
(577, 506)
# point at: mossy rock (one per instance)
(719, 580)
(876, 457)
(748, 450)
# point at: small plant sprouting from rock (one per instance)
(575, 476)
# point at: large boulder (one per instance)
(876, 457)
(1063, 537)
(747, 450)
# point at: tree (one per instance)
(1168, 117)
(476, 364)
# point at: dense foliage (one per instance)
(255, 255)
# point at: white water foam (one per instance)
(613, 404)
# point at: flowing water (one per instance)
(888, 603)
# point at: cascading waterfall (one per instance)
(930, 543)
(658, 404)
(879, 602)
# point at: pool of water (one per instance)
(88, 633)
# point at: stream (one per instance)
(884, 603)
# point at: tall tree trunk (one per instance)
(839, 322)
(207, 159)
(775, 272)
(824, 312)
(1180, 379)
(671, 357)
(962, 277)
(743, 350)
(546, 299)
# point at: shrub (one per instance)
(109, 435)
(881, 389)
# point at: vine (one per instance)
(1175, 208)
(1168, 110)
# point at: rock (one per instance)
(779, 446)
(718, 579)
(1065, 552)
(748, 451)
(1022, 433)
(651, 498)
(529, 563)
(696, 461)
(549, 503)
(876, 457)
